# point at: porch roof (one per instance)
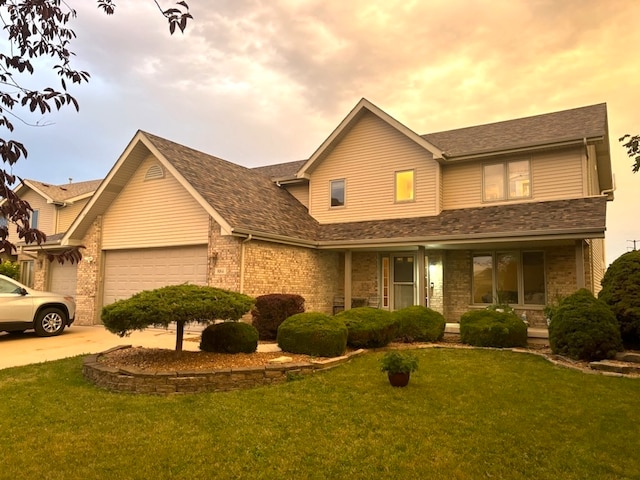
(584, 217)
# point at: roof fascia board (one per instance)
(29, 184)
(298, 242)
(349, 121)
(224, 225)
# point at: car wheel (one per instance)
(50, 322)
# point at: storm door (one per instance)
(403, 274)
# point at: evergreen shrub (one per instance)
(419, 324)
(621, 291)
(273, 309)
(584, 328)
(369, 327)
(229, 337)
(313, 333)
(492, 328)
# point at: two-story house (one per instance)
(54, 209)
(510, 212)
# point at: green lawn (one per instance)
(466, 414)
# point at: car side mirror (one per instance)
(22, 291)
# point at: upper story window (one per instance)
(34, 218)
(337, 193)
(405, 186)
(506, 181)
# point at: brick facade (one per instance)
(88, 301)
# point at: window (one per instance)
(26, 273)
(405, 186)
(34, 218)
(337, 193)
(514, 278)
(506, 181)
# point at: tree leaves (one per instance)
(633, 148)
(35, 29)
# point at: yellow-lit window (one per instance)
(405, 186)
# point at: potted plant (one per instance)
(399, 366)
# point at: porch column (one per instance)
(580, 264)
(420, 280)
(347, 280)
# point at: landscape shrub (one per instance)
(229, 337)
(491, 328)
(621, 291)
(368, 327)
(273, 309)
(10, 269)
(419, 324)
(313, 333)
(584, 328)
(176, 303)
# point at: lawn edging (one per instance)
(132, 380)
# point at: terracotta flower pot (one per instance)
(399, 379)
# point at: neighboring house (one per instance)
(511, 212)
(54, 209)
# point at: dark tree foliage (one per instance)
(181, 304)
(229, 337)
(621, 291)
(632, 144)
(273, 309)
(35, 29)
(584, 328)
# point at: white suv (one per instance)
(22, 308)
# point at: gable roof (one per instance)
(361, 108)
(239, 199)
(280, 171)
(65, 193)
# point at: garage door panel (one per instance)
(128, 272)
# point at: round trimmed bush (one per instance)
(368, 327)
(492, 328)
(313, 333)
(229, 337)
(419, 324)
(621, 291)
(584, 328)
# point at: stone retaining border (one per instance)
(132, 380)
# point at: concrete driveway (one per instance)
(27, 348)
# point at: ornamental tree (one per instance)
(632, 144)
(181, 304)
(35, 29)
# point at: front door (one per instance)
(403, 275)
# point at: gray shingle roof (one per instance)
(574, 124)
(245, 198)
(61, 193)
(495, 221)
(281, 170)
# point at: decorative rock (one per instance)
(282, 359)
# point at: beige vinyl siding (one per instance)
(46, 212)
(367, 159)
(301, 192)
(462, 185)
(554, 176)
(154, 213)
(66, 215)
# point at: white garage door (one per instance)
(127, 272)
(63, 278)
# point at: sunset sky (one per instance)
(262, 82)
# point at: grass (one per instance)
(466, 414)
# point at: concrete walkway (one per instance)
(25, 349)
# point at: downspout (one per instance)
(248, 239)
(610, 190)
